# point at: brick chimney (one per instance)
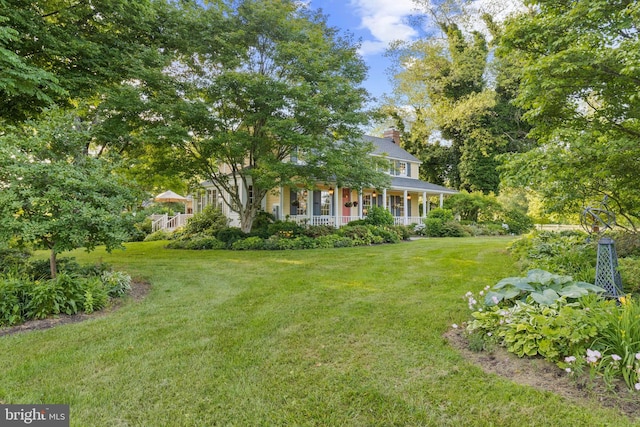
(392, 134)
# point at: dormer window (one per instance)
(397, 168)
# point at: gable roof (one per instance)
(386, 147)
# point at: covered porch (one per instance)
(336, 207)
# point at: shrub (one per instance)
(197, 242)
(630, 273)
(12, 299)
(386, 234)
(360, 234)
(517, 221)
(453, 229)
(250, 243)
(158, 235)
(627, 244)
(316, 231)
(46, 297)
(434, 227)
(95, 295)
(377, 215)
(440, 213)
(228, 235)
(13, 260)
(569, 253)
(285, 229)
(208, 222)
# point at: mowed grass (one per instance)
(339, 337)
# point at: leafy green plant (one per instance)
(209, 222)
(541, 286)
(117, 283)
(377, 215)
(12, 299)
(250, 243)
(46, 297)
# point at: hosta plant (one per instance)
(541, 286)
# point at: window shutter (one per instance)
(293, 209)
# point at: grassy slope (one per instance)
(320, 337)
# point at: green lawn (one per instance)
(338, 337)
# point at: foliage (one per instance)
(622, 338)
(158, 235)
(473, 206)
(285, 229)
(541, 286)
(199, 242)
(569, 252)
(440, 213)
(630, 274)
(210, 221)
(377, 215)
(580, 94)
(282, 84)
(446, 85)
(229, 235)
(551, 331)
(117, 283)
(24, 298)
(517, 221)
(56, 195)
(440, 223)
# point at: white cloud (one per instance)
(385, 20)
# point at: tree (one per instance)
(56, 195)
(456, 93)
(581, 71)
(269, 82)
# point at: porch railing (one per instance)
(332, 221)
(169, 223)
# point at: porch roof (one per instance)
(411, 184)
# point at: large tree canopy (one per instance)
(269, 81)
(449, 87)
(580, 84)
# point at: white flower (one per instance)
(570, 359)
(568, 370)
(616, 357)
(638, 356)
(637, 386)
(495, 299)
(489, 334)
(454, 326)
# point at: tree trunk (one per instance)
(52, 263)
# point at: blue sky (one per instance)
(375, 23)
(379, 22)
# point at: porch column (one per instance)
(309, 202)
(281, 201)
(441, 200)
(424, 204)
(406, 208)
(360, 204)
(384, 198)
(337, 207)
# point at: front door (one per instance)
(346, 198)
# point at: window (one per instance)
(325, 203)
(396, 205)
(398, 168)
